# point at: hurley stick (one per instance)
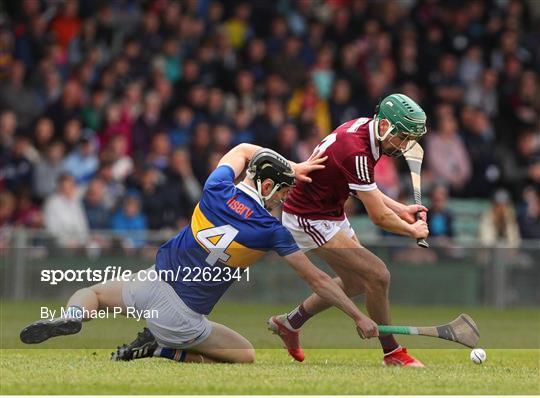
(414, 157)
(462, 330)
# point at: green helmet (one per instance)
(404, 115)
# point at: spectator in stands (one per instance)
(117, 123)
(8, 126)
(129, 223)
(498, 225)
(7, 209)
(68, 105)
(322, 72)
(153, 200)
(523, 166)
(181, 126)
(447, 156)
(307, 101)
(471, 67)
(221, 138)
(237, 26)
(529, 214)
(114, 189)
(244, 95)
(289, 63)
(287, 142)
(276, 88)
(190, 77)
(256, 60)
(51, 88)
(525, 103)
(122, 164)
(18, 97)
(66, 24)
(160, 151)
(16, 172)
(170, 60)
(95, 205)
(147, 125)
(181, 189)
(440, 218)
(342, 108)
(64, 215)
(479, 140)
(267, 125)
(445, 80)
(72, 135)
(47, 170)
(28, 214)
(83, 162)
(216, 112)
(200, 151)
(93, 113)
(242, 127)
(43, 134)
(483, 94)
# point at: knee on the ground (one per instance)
(246, 355)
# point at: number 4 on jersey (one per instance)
(216, 240)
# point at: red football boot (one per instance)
(290, 336)
(400, 357)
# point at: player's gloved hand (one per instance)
(315, 162)
(419, 230)
(409, 213)
(366, 328)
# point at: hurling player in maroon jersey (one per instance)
(315, 216)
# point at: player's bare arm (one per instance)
(385, 218)
(403, 211)
(323, 285)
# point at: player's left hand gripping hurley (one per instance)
(414, 157)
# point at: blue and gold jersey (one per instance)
(230, 230)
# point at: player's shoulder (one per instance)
(353, 125)
(355, 138)
(223, 174)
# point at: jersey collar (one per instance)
(375, 150)
(250, 191)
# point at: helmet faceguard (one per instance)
(268, 164)
(406, 119)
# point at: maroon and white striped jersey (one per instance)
(353, 151)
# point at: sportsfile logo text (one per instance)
(184, 274)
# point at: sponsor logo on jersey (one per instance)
(239, 208)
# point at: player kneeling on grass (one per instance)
(316, 218)
(230, 229)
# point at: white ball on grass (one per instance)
(478, 356)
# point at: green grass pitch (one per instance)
(510, 338)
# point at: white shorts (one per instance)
(311, 234)
(175, 324)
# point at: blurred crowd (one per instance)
(113, 113)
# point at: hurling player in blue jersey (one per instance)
(230, 229)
